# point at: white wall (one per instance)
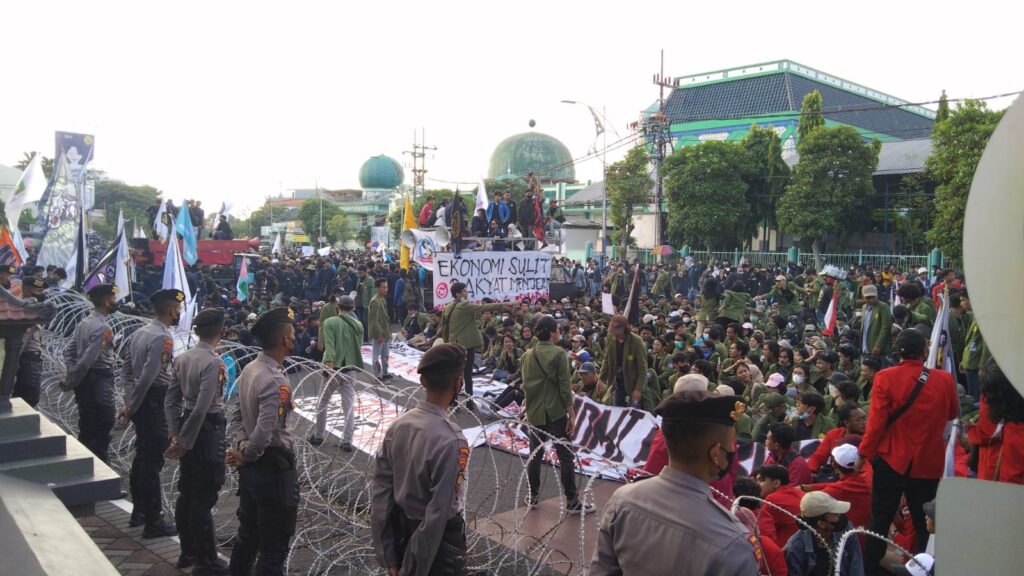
(643, 230)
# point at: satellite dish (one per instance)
(994, 243)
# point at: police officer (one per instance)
(195, 417)
(268, 487)
(90, 371)
(671, 524)
(416, 520)
(151, 351)
(6, 271)
(30, 366)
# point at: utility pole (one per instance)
(319, 243)
(419, 161)
(657, 129)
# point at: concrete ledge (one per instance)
(41, 537)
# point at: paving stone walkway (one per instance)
(125, 548)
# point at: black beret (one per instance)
(448, 357)
(270, 319)
(7, 268)
(699, 406)
(209, 316)
(35, 282)
(101, 290)
(168, 295)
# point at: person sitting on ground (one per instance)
(811, 549)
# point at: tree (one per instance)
(309, 215)
(628, 184)
(810, 117)
(910, 213)
(395, 218)
(45, 163)
(114, 195)
(337, 229)
(769, 176)
(957, 145)
(829, 186)
(707, 186)
(250, 226)
(943, 112)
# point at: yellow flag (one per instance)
(408, 223)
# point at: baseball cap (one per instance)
(869, 290)
(748, 326)
(584, 356)
(815, 504)
(921, 565)
(922, 270)
(775, 380)
(649, 318)
(845, 455)
(773, 400)
(588, 367)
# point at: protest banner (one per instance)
(499, 276)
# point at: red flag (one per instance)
(8, 252)
(538, 222)
(830, 314)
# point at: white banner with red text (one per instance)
(499, 276)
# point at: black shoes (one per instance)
(185, 561)
(137, 519)
(312, 439)
(346, 447)
(218, 568)
(159, 529)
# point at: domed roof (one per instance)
(381, 173)
(532, 152)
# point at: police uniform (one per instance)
(195, 416)
(671, 524)
(151, 351)
(30, 365)
(268, 487)
(416, 509)
(90, 372)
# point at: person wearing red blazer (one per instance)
(1005, 407)
(906, 447)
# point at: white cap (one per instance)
(691, 382)
(845, 455)
(921, 565)
(251, 316)
(674, 314)
(748, 326)
(815, 504)
(922, 270)
(649, 318)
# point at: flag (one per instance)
(242, 286)
(9, 254)
(110, 269)
(175, 278)
(940, 355)
(830, 314)
(124, 254)
(538, 223)
(162, 223)
(481, 198)
(408, 223)
(632, 311)
(183, 226)
(60, 218)
(277, 249)
(29, 190)
(80, 257)
(894, 297)
(224, 209)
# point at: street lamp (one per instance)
(599, 123)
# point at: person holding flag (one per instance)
(242, 285)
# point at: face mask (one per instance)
(729, 457)
(686, 320)
(679, 345)
(803, 416)
(754, 318)
(833, 390)
(798, 379)
(841, 521)
(707, 353)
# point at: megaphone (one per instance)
(437, 237)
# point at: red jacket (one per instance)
(853, 488)
(913, 444)
(799, 471)
(1010, 457)
(774, 560)
(821, 455)
(425, 213)
(774, 524)
(980, 435)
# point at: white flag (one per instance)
(125, 266)
(29, 190)
(159, 225)
(481, 198)
(277, 249)
(174, 277)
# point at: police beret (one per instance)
(271, 319)
(347, 302)
(443, 358)
(8, 269)
(699, 406)
(209, 316)
(35, 282)
(168, 295)
(101, 290)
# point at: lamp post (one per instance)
(599, 128)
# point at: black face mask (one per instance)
(840, 522)
(729, 457)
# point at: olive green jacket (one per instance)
(879, 328)
(634, 368)
(734, 304)
(377, 323)
(458, 322)
(546, 384)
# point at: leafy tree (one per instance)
(45, 163)
(250, 226)
(829, 186)
(958, 143)
(910, 213)
(114, 195)
(309, 215)
(810, 117)
(337, 229)
(395, 217)
(707, 187)
(628, 184)
(943, 112)
(769, 176)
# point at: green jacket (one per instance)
(788, 299)
(879, 328)
(634, 368)
(924, 312)
(975, 351)
(708, 308)
(458, 322)
(420, 318)
(765, 422)
(329, 309)
(734, 304)
(821, 425)
(546, 384)
(377, 323)
(660, 284)
(343, 338)
(364, 291)
(958, 334)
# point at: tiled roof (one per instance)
(13, 310)
(784, 92)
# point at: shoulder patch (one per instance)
(108, 337)
(165, 356)
(463, 462)
(222, 376)
(284, 399)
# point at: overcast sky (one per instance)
(237, 101)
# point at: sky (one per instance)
(237, 101)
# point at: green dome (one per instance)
(381, 173)
(532, 152)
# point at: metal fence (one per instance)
(767, 259)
